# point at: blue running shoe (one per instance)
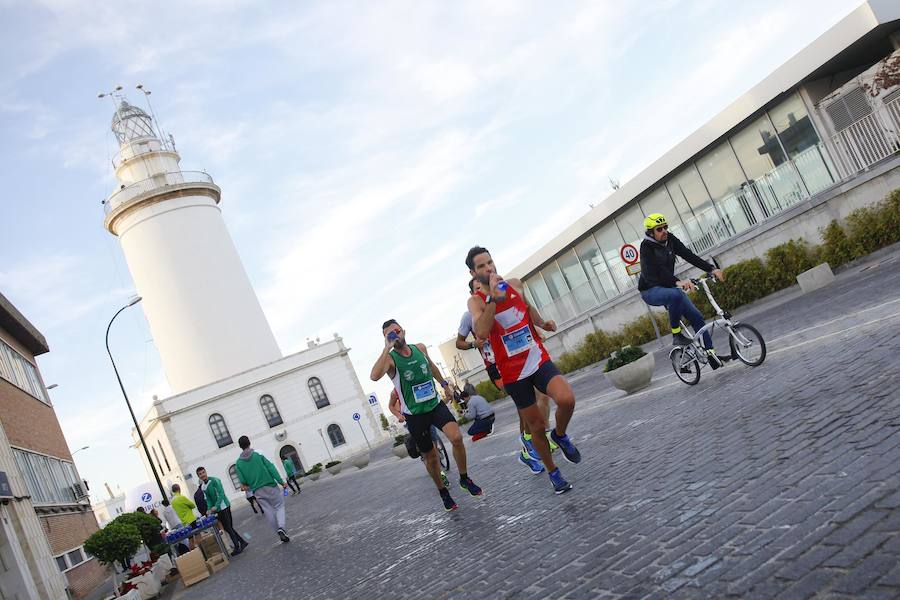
(529, 447)
(570, 452)
(535, 466)
(560, 485)
(469, 485)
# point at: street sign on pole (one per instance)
(356, 417)
(358, 422)
(629, 254)
(373, 399)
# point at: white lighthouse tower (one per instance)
(203, 313)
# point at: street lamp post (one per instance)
(128, 403)
(324, 443)
(80, 449)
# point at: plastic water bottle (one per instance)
(502, 286)
(392, 336)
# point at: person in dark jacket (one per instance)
(659, 286)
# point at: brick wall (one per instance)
(69, 530)
(86, 577)
(29, 423)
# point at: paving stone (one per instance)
(779, 481)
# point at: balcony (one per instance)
(157, 184)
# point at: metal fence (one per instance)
(868, 140)
(150, 184)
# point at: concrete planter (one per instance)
(400, 451)
(335, 469)
(314, 476)
(361, 461)
(633, 376)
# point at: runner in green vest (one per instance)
(413, 374)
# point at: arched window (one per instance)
(336, 435)
(318, 392)
(232, 471)
(219, 430)
(273, 417)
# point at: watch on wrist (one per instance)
(489, 299)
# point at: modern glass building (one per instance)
(827, 116)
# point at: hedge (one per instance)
(867, 229)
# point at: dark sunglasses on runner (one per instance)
(662, 228)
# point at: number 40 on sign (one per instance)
(630, 257)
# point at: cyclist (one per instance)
(659, 286)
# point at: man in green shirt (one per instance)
(413, 375)
(220, 506)
(291, 478)
(257, 473)
(183, 506)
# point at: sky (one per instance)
(362, 148)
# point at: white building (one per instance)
(108, 509)
(218, 352)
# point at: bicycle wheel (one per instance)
(685, 365)
(442, 453)
(747, 345)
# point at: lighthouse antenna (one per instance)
(167, 142)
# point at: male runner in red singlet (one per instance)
(503, 316)
(528, 456)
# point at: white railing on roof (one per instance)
(157, 182)
(868, 140)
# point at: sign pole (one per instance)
(630, 256)
(358, 419)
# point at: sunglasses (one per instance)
(661, 228)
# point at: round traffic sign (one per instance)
(356, 417)
(629, 254)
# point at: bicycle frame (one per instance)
(724, 320)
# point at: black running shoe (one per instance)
(714, 361)
(449, 504)
(679, 339)
(284, 538)
(469, 485)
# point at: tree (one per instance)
(148, 526)
(118, 541)
(384, 423)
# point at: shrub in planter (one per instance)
(332, 463)
(399, 440)
(622, 357)
(785, 261)
(316, 468)
(148, 526)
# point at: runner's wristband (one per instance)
(489, 299)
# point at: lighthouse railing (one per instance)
(155, 183)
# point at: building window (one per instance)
(232, 472)
(336, 435)
(318, 392)
(163, 452)
(18, 371)
(270, 411)
(158, 464)
(71, 559)
(219, 430)
(49, 479)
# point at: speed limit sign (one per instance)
(629, 254)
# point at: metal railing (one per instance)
(868, 140)
(157, 182)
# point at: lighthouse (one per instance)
(203, 313)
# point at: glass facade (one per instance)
(770, 164)
(49, 479)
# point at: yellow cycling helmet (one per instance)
(654, 220)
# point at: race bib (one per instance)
(424, 392)
(518, 340)
(488, 353)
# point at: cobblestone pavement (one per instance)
(778, 481)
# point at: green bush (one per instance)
(384, 422)
(785, 261)
(489, 391)
(332, 463)
(874, 227)
(399, 440)
(147, 525)
(317, 468)
(836, 248)
(118, 541)
(640, 331)
(622, 357)
(744, 283)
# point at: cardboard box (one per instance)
(216, 563)
(192, 567)
(209, 545)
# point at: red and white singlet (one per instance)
(518, 350)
